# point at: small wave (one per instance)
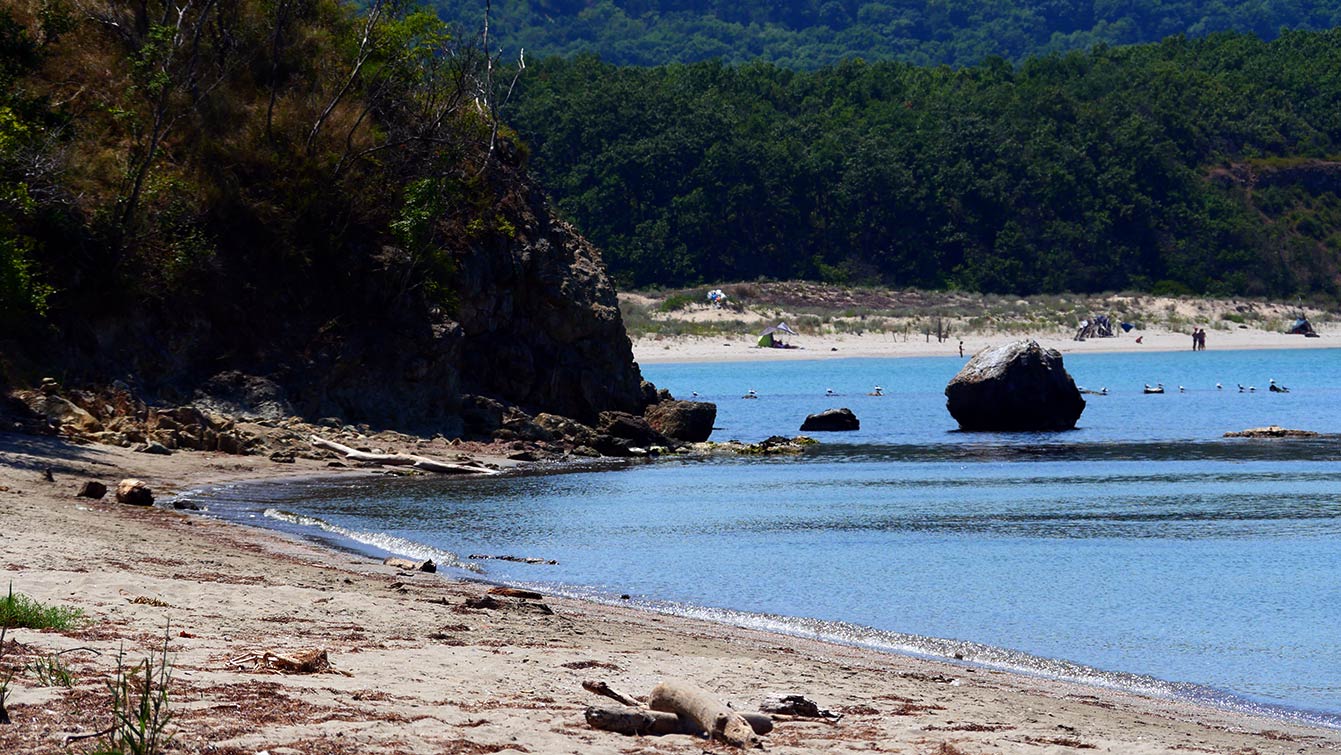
(380, 540)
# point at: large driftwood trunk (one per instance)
(720, 722)
(642, 722)
(403, 460)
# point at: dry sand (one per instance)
(908, 337)
(428, 675)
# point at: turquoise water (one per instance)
(1141, 550)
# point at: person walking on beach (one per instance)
(1202, 340)
(961, 348)
(1196, 338)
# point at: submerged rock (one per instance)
(832, 420)
(1017, 386)
(1271, 431)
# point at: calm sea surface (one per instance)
(1141, 550)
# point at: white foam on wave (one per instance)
(380, 540)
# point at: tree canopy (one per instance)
(807, 34)
(1183, 165)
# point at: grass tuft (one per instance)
(20, 611)
(140, 715)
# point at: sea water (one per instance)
(1141, 550)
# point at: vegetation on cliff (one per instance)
(1186, 166)
(809, 34)
(303, 189)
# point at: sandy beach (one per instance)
(827, 329)
(418, 671)
(690, 348)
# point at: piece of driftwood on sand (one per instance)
(403, 460)
(643, 722)
(720, 722)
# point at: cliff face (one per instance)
(540, 323)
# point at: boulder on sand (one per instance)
(685, 421)
(134, 492)
(1017, 386)
(832, 420)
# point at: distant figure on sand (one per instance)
(961, 348)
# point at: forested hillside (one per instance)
(806, 34)
(1188, 165)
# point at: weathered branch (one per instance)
(403, 460)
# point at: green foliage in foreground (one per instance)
(140, 713)
(20, 611)
(1120, 168)
(807, 34)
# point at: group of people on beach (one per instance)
(1198, 339)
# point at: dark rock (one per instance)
(154, 447)
(134, 492)
(649, 393)
(239, 394)
(561, 427)
(832, 420)
(185, 506)
(1017, 386)
(634, 429)
(282, 457)
(685, 421)
(481, 415)
(92, 489)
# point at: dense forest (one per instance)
(261, 150)
(1191, 165)
(806, 34)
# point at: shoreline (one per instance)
(953, 652)
(446, 675)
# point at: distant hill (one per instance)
(1188, 166)
(807, 34)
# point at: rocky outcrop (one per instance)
(1271, 431)
(1017, 386)
(540, 323)
(684, 421)
(832, 421)
(636, 430)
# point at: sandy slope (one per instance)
(428, 675)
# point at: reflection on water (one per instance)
(1144, 544)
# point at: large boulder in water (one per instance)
(832, 420)
(685, 421)
(1018, 386)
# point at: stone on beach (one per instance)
(92, 489)
(134, 492)
(1019, 386)
(832, 420)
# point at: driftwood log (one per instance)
(718, 721)
(643, 722)
(599, 687)
(403, 460)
